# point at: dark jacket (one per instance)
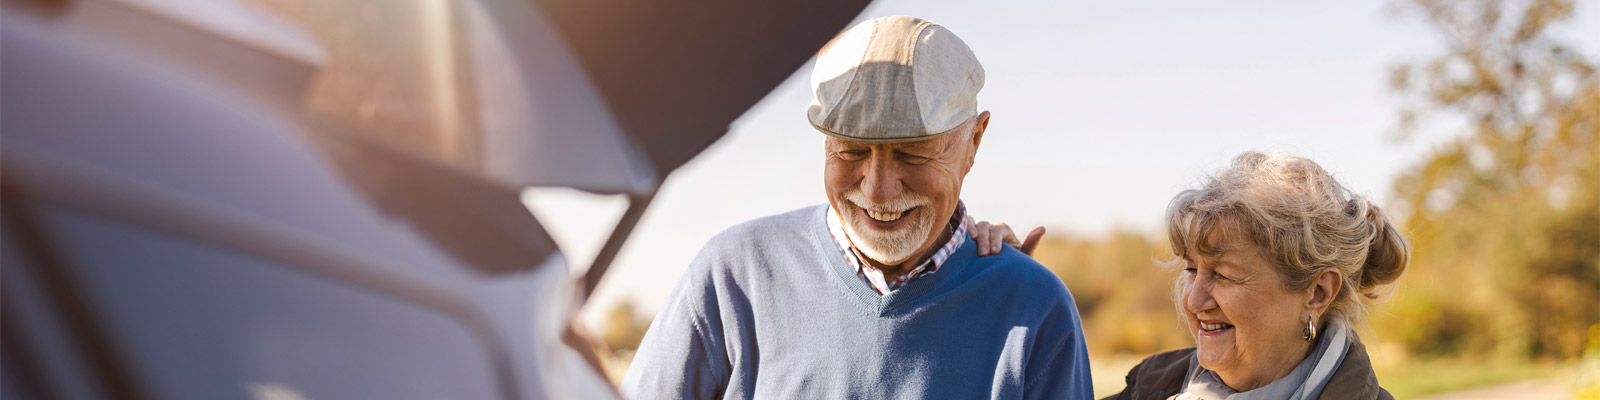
(1162, 375)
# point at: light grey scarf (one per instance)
(1305, 382)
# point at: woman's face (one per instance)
(1247, 326)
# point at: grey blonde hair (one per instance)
(1303, 221)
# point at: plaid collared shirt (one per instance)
(873, 276)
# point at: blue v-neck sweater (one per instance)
(770, 310)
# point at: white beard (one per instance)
(887, 247)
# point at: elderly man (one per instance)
(880, 293)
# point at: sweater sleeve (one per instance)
(683, 354)
(1063, 372)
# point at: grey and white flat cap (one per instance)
(894, 79)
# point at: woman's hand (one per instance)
(991, 237)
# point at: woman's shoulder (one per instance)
(1354, 379)
(1172, 360)
(1157, 377)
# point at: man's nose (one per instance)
(882, 181)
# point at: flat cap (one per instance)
(894, 79)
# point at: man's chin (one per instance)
(872, 243)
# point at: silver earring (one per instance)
(1311, 330)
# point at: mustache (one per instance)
(905, 201)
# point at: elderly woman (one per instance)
(1279, 262)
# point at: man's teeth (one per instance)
(885, 216)
(1214, 327)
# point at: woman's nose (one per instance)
(1197, 297)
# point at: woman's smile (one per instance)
(1214, 328)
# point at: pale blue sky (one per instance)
(1102, 112)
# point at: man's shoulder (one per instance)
(1013, 266)
(751, 249)
(771, 237)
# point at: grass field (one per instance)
(1440, 376)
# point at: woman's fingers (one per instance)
(992, 238)
(984, 234)
(1032, 242)
(1001, 233)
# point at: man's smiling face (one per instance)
(895, 197)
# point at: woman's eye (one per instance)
(1189, 270)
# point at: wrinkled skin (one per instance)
(884, 172)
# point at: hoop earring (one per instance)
(1311, 329)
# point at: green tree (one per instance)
(1504, 217)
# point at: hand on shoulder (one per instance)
(990, 237)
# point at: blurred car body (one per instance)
(320, 199)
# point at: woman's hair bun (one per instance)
(1386, 256)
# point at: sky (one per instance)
(1102, 111)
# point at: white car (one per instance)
(313, 199)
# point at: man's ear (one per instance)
(1324, 289)
(977, 130)
(978, 127)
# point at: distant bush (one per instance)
(624, 327)
(1123, 296)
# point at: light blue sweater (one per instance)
(770, 310)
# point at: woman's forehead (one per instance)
(1221, 237)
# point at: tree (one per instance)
(1504, 217)
(624, 328)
